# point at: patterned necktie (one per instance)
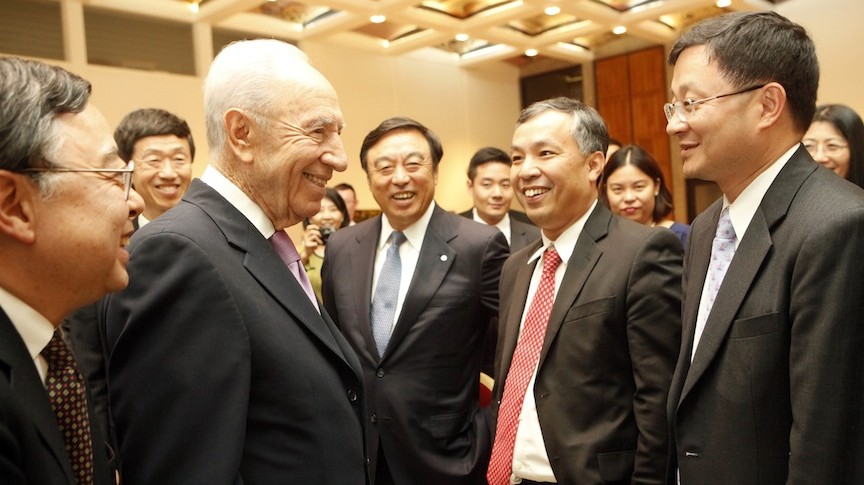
(68, 400)
(285, 249)
(383, 310)
(722, 252)
(524, 362)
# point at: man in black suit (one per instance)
(489, 184)
(66, 213)
(768, 383)
(592, 319)
(419, 345)
(222, 369)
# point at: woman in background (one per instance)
(317, 230)
(836, 140)
(632, 186)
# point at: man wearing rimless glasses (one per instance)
(767, 386)
(65, 221)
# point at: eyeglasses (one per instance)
(155, 163)
(121, 176)
(686, 106)
(830, 148)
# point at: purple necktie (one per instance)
(285, 249)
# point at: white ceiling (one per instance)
(497, 30)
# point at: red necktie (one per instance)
(68, 399)
(522, 368)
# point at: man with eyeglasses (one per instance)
(767, 388)
(66, 213)
(161, 145)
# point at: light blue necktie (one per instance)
(722, 252)
(386, 294)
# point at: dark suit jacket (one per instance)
(221, 371)
(31, 444)
(609, 351)
(782, 345)
(423, 393)
(522, 231)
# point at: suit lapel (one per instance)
(436, 257)
(30, 391)
(516, 295)
(362, 266)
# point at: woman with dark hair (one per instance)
(317, 230)
(836, 140)
(632, 186)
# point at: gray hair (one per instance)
(32, 96)
(241, 76)
(587, 128)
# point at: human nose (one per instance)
(135, 203)
(675, 125)
(335, 156)
(400, 175)
(629, 195)
(167, 169)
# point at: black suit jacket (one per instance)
(522, 231)
(610, 348)
(773, 394)
(423, 393)
(221, 370)
(31, 444)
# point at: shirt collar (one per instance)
(414, 233)
(236, 197)
(566, 242)
(503, 225)
(34, 329)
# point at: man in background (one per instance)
(767, 387)
(163, 149)
(489, 184)
(349, 196)
(590, 331)
(223, 368)
(66, 213)
(422, 292)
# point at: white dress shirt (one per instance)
(35, 330)
(503, 225)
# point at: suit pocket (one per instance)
(756, 326)
(445, 426)
(595, 307)
(616, 466)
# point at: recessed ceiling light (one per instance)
(619, 30)
(531, 52)
(462, 37)
(724, 3)
(194, 6)
(552, 10)
(377, 19)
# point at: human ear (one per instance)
(239, 137)
(773, 103)
(18, 198)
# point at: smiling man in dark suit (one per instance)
(222, 369)
(489, 184)
(590, 316)
(66, 213)
(418, 331)
(768, 387)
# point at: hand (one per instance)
(311, 241)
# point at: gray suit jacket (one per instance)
(221, 370)
(423, 391)
(774, 391)
(31, 443)
(609, 351)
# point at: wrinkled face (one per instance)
(828, 147)
(715, 142)
(401, 176)
(491, 191)
(631, 193)
(86, 224)
(297, 151)
(552, 180)
(329, 215)
(163, 170)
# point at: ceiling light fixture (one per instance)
(194, 6)
(531, 52)
(378, 19)
(723, 3)
(552, 10)
(620, 29)
(461, 37)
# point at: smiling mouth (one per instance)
(534, 192)
(404, 196)
(315, 180)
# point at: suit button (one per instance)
(380, 373)
(352, 396)
(373, 418)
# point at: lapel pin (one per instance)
(443, 257)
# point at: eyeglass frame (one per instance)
(187, 161)
(680, 106)
(127, 172)
(831, 148)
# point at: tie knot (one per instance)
(397, 238)
(551, 260)
(284, 247)
(725, 230)
(56, 350)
